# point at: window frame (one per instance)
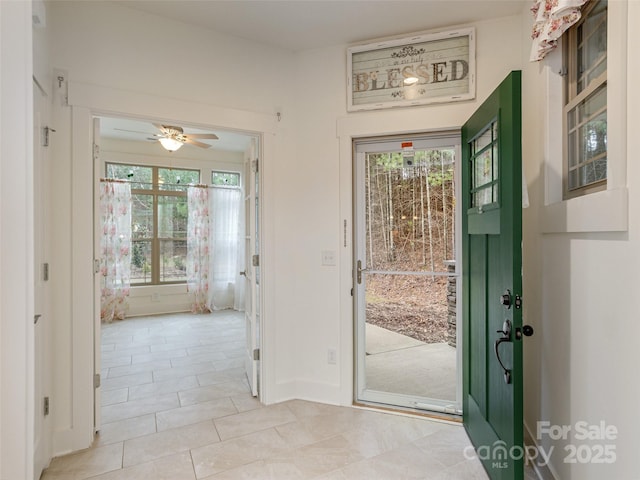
(156, 241)
(572, 99)
(226, 172)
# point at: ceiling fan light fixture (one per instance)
(170, 144)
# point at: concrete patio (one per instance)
(400, 364)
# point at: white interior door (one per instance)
(42, 327)
(252, 266)
(97, 349)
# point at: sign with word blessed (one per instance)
(429, 68)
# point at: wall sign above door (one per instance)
(430, 68)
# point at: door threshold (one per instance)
(410, 412)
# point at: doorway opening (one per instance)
(406, 243)
(168, 351)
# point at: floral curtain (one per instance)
(227, 225)
(198, 234)
(115, 247)
(551, 19)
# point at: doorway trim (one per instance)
(88, 101)
(400, 122)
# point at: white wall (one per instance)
(581, 288)
(16, 242)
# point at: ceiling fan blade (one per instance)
(133, 131)
(210, 136)
(196, 143)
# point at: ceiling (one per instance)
(299, 25)
(141, 131)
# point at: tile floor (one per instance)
(176, 406)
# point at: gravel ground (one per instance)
(413, 306)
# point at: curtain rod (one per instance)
(199, 185)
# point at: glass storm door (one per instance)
(404, 272)
(492, 280)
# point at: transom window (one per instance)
(159, 216)
(225, 179)
(585, 110)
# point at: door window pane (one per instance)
(484, 164)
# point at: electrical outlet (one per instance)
(332, 356)
(328, 257)
(155, 297)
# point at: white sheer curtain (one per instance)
(198, 248)
(227, 235)
(551, 19)
(115, 249)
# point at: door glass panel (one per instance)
(407, 353)
(484, 167)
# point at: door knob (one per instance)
(526, 330)
(243, 273)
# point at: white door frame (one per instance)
(423, 141)
(42, 309)
(87, 102)
(350, 128)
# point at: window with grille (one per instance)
(585, 109)
(158, 221)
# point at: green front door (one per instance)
(492, 281)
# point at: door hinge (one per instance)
(96, 265)
(45, 408)
(255, 260)
(45, 135)
(255, 166)
(256, 354)
(96, 380)
(96, 151)
(45, 272)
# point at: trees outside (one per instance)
(410, 211)
(158, 221)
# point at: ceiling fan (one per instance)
(173, 137)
